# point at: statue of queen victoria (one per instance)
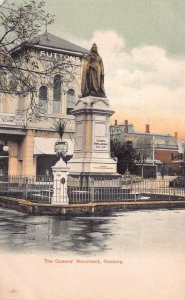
(93, 75)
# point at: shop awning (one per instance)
(44, 145)
(151, 161)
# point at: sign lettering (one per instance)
(59, 56)
(101, 144)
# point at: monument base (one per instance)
(93, 170)
(93, 165)
(92, 157)
(96, 179)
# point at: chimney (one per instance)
(116, 122)
(147, 128)
(126, 126)
(176, 135)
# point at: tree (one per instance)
(125, 153)
(20, 27)
(143, 149)
(180, 160)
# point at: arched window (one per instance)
(57, 94)
(70, 100)
(43, 95)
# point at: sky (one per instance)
(142, 44)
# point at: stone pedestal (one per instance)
(60, 172)
(92, 139)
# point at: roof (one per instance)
(51, 41)
(119, 129)
(155, 161)
(130, 128)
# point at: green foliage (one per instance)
(60, 126)
(21, 73)
(143, 148)
(20, 26)
(124, 152)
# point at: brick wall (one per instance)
(166, 157)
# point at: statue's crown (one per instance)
(94, 45)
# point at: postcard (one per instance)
(92, 150)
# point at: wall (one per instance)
(165, 156)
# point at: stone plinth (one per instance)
(60, 172)
(92, 138)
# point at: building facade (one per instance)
(26, 142)
(164, 146)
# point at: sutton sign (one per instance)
(59, 56)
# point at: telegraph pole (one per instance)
(153, 148)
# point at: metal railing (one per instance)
(37, 189)
(89, 190)
(165, 189)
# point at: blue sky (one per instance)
(140, 22)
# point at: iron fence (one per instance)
(37, 189)
(90, 190)
(159, 189)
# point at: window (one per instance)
(44, 165)
(43, 95)
(70, 100)
(3, 161)
(57, 94)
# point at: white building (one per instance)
(31, 141)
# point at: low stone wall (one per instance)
(84, 209)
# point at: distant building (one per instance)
(165, 146)
(30, 143)
(181, 145)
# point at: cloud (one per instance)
(144, 84)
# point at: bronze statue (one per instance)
(93, 74)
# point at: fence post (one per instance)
(174, 189)
(49, 191)
(60, 172)
(169, 191)
(134, 189)
(91, 190)
(25, 187)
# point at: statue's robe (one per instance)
(93, 77)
